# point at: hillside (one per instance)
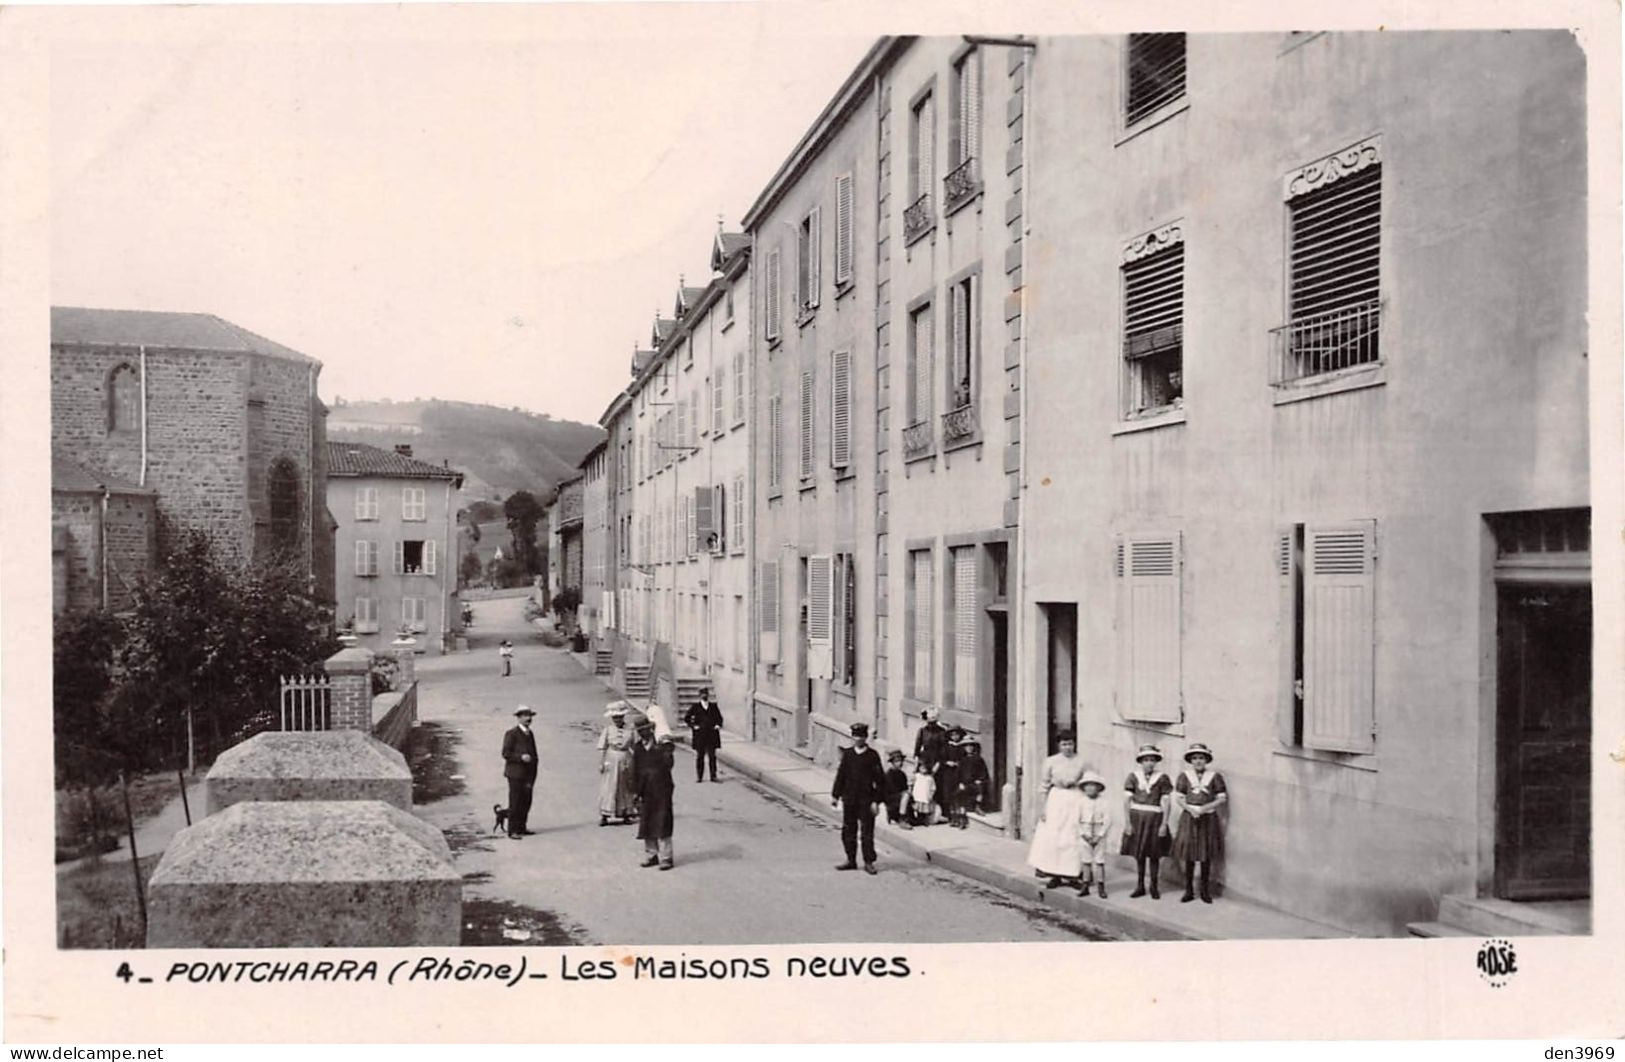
(501, 450)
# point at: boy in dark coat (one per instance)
(973, 782)
(519, 767)
(860, 785)
(651, 765)
(704, 721)
(896, 789)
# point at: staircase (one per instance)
(602, 661)
(636, 683)
(688, 690)
(1475, 916)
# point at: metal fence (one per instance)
(307, 702)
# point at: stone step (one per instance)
(1438, 929)
(1488, 916)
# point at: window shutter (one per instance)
(813, 253)
(806, 425)
(738, 537)
(739, 386)
(961, 340)
(693, 420)
(802, 268)
(843, 228)
(1156, 73)
(965, 627)
(719, 518)
(820, 614)
(682, 424)
(924, 591)
(719, 385)
(1154, 302)
(703, 519)
(1339, 637)
(772, 294)
(361, 504)
(1150, 630)
(924, 341)
(1285, 562)
(1336, 230)
(361, 557)
(430, 548)
(840, 409)
(775, 430)
(400, 557)
(768, 598)
(925, 145)
(971, 105)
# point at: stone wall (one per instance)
(280, 405)
(397, 714)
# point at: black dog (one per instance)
(501, 824)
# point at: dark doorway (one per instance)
(1543, 742)
(1061, 671)
(1001, 707)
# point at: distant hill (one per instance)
(501, 450)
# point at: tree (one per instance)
(468, 569)
(523, 512)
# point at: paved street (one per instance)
(750, 867)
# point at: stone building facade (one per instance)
(104, 534)
(223, 426)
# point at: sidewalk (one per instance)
(1002, 863)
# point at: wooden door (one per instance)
(1543, 756)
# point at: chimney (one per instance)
(404, 449)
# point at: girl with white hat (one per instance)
(1146, 835)
(1199, 793)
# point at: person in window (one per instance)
(652, 761)
(860, 787)
(971, 792)
(616, 794)
(1199, 794)
(704, 721)
(1145, 837)
(1055, 851)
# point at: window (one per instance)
(806, 427)
(1333, 281)
(1156, 74)
(413, 504)
(771, 296)
(728, 305)
(1154, 322)
(964, 131)
(680, 438)
(740, 383)
(922, 147)
(366, 503)
(739, 631)
(123, 399)
(840, 409)
(843, 230)
(284, 491)
(775, 445)
(846, 620)
(366, 557)
(917, 436)
(736, 533)
(820, 615)
(917, 661)
(962, 334)
(412, 614)
(1148, 630)
(767, 590)
(415, 557)
(807, 263)
(691, 525)
(961, 674)
(1328, 577)
(691, 440)
(366, 615)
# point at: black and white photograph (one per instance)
(676, 491)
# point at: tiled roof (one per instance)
(727, 245)
(688, 298)
(663, 327)
(359, 459)
(70, 476)
(641, 360)
(151, 328)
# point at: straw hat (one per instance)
(1148, 750)
(1091, 776)
(1198, 749)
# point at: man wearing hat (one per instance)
(860, 784)
(704, 721)
(519, 755)
(651, 763)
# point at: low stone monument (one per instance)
(309, 765)
(314, 873)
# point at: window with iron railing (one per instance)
(1154, 323)
(917, 434)
(964, 132)
(1156, 74)
(960, 422)
(919, 217)
(1334, 268)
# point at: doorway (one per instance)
(1001, 708)
(1060, 671)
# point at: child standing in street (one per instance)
(896, 789)
(506, 652)
(973, 782)
(922, 797)
(1094, 824)
(1199, 793)
(1146, 832)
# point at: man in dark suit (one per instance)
(519, 756)
(860, 784)
(704, 721)
(651, 766)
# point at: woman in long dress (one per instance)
(616, 789)
(1056, 849)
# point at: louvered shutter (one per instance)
(843, 228)
(719, 516)
(361, 504)
(971, 105)
(961, 343)
(1339, 633)
(740, 382)
(806, 425)
(1154, 303)
(1336, 230)
(925, 120)
(820, 614)
(840, 409)
(361, 557)
(430, 548)
(964, 627)
(400, 557)
(1285, 562)
(775, 431)
(738, 539)
(924, 589)
(682, 423)
(813, 256)
(366, 615)
(1156, 73)
(772, 294)
(1150, 630)
(699, 523)
(693, 420)
(719, 385)
(924, 341)
(767, 595)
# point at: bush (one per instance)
(553, 639)
(385, 669)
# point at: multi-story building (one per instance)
(1303, 365)
(565, 517)
(396, 540)
(222, 426)
(594, 538)
(676, 503)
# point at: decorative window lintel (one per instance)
(1333, 167)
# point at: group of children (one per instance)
(955, 782)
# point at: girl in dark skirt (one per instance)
(1200, 793)
(1145, 837)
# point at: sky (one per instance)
(477, 204)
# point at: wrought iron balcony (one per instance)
(917, 440)
(960, 424)
(1327, 343)
(918, 219)
(962, 184)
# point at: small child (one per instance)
(506, 651)
(1094, 823)
(973, 782)
(896, 788)
(922, 798)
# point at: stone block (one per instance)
(312, 874)
(308, 765)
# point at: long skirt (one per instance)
(1142, 838)
(1056, 847)
(1199, 839)
(615, 793)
